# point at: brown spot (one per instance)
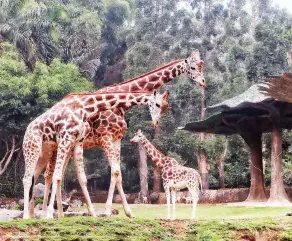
(57, 119)
(72, 123)
(109, 97)
(101, 106)
(139, 99)
(112, 102)
(122, 97)
(97, 98)
(150, 86)
(134, 87)
(173, 72)
(41, 126)
(89, 109)
(142, 83)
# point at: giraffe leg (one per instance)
(112, 152)
(63, 153)
(195, 201)
(128, 212)
(39, 168)
(31, 152)
(126, 206)
(48, 181)
(79, 166)
(108, 205)
(173, 200)
(167, 193)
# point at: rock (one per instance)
(154, 196)
(21, 202)
(100, 212)
(76, 203)
(39, 190)
(64, 204)
(8, 215)
(72, 214)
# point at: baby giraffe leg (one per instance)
(167, 193)
(173, 200)
(195, 201)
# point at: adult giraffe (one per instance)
(77, 120)
(192, 66)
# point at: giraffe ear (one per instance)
(165, 95)
(195, 55)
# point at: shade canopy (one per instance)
(248, 112)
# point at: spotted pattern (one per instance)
(174, 175)
(68, 127)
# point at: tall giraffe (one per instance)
(174, 175)
(192, 66)
(77, 121)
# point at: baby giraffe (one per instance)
(174, 175)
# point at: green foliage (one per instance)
(24, 95)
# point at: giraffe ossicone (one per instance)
(174, 175)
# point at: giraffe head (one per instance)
(157, 104)
(138, 137)
(194, 67)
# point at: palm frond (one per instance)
(278, 87)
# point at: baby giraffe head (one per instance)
(157, 104)
(138, 137)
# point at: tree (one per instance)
(25, 95)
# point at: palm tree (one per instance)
(27, 24)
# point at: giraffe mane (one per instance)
(143, 75)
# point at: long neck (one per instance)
(155, 155)
(97, 102)
(149, 81)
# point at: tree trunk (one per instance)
(257, 190)
(202, 155)
(143, 174)
(156, 172)
(278, 194)
(203, 169)
(220, 165)
(157, 180)
(8, 155)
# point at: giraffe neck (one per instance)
(93, 103)
(154, 154)
(150, 81)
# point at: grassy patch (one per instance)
(215, 223)
(204, 212)
(85, 228)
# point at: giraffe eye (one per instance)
(193, 68)
(158, 105)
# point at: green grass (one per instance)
(215, 223)
(204, 212)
